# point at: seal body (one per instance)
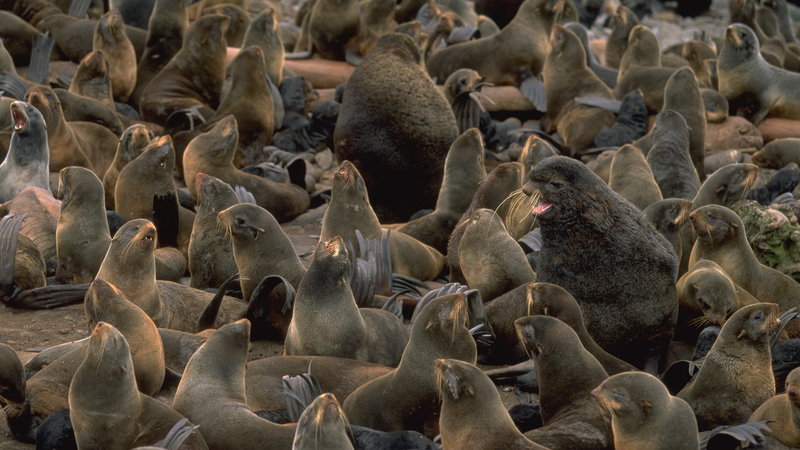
(28, 158)
(396, 127)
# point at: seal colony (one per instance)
(266, 263)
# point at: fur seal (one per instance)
(246, 223)
(193, 77)
(324, 297)
(644, 414)
(707, 296)
(28, 158)
(578, 211)
(551, 300)
(210, 254)
(621, 25)
(322, 425)
(491, 193)
(350, 210)
(565, 78)
(632, 178)
(523, 44)
(331, 24)
(407, 397)
(631, 123)
(93, 78)
(146, 178)
(778, 153)
(721, 238)
(103, 395)
(164, 39)
(82, 234)
(491, 260)
(736, 375)
(214, 381)
(669, 157)
(247, 95)
(264, 31)
(239, 21)
(753, 87)
(782, 412)
(726, 185)
(212, 153)
(131, 144)
(668, 217)
(110, 37)
(571, 418)
(409, 153)
(473, 416)
(463, 171)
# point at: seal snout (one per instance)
(19, 115)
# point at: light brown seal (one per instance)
(473, 416)
(778, 153)
(632, 178)
(82, 234)
(783, 412)
(131, 144)
(644, 414)
(264, 31)
(110, 37)
(212, 153)
(322, 425)
(407, 397)
(103, 396)
(621, 25)
(736, 375)
(324, 297)
(214, 381)
(193, 78)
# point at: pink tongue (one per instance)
(541, 207)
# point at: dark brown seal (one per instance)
(736, 375)
(409, 153)
(110, 37)
(473, 416)
(644, 414)
(571, 418)
(669, 157)
(582, 220)
(131, 144)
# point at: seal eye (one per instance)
(239, 221)
(554, 185)
(758, 316)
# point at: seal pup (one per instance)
(193, 77)
(350, 210)
(782, 412)
(322, 425)
(736, 375)
(247, 95)
(566, 77)
(164, 39)
(103, 396)
(214, 381)
(491, 260)
(28, 158)
(82, 234)
(721, 238)
(726, 185)
(523, 44)
(211, 258)
(412, 151)
(644, 414)
(578, 211)
(407, 397)
(778, 153)
(324, 297)
(621, 25)
(110, 37)
(473, 415)
(669, 157)
(548, 299)
(571, 418)
(131, 144)
(707, 295)
(463, 171)
(264, 31)
(254, 233)
(213, 152)
(668, 216)
(632, 178)
(753, 87)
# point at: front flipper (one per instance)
(9, 235)
(49, 297)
